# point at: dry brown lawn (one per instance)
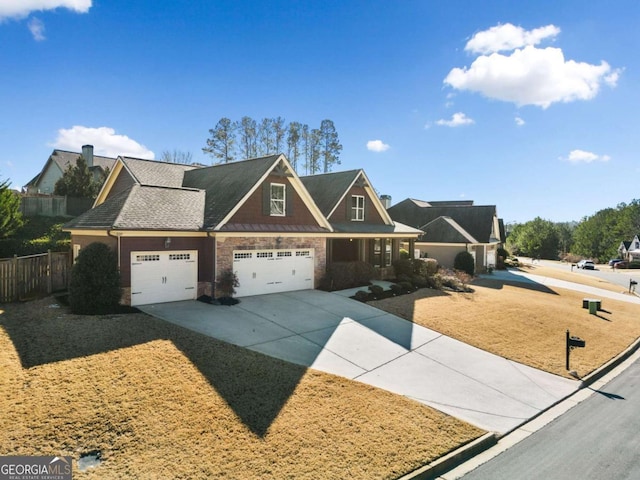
(525, 324)
(577, 276)
(159, 401)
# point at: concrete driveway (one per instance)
(335, 334)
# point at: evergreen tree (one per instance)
(221, 143)
(10, 216)
(330, 146)
(78, 181)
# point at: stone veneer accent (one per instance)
(226, 246)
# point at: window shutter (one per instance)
(266, 199)
(349, 202)
(288, 195)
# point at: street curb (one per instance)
(466, 452)
(452, 459)
(610, 365)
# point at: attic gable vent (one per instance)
(281, 170)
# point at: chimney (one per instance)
(386, 201)
(87, 154)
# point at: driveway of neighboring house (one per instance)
(338, 335)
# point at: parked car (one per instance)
(613, 261)
(621, 264)
(586, 265)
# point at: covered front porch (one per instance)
(379, 252)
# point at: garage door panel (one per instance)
(165, 276)
(273, 271)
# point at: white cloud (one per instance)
(528, 75)
(105, 142)
(519, 121)
(377, 146)
(22, 8)
(36, 27)
(582, 156)
(508, 37)
(457, 120)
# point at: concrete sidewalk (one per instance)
(592, 292)
(335, 334)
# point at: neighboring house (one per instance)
(176, 227)
(362, 228)
(630, 250)
(57, 163)
(453, 227)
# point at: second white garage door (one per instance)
(164, 276)
(273, 271)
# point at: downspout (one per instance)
(213, 264)
(117, 235)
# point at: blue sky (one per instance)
(531, 106)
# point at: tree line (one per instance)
(597, 236)
(310, 150)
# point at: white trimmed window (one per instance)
(277, 200)
(357, 208)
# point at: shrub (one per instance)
(362, 296)
(419, 281)
(434, 281)
(406, 286)
(226, 283)
(464, 261)
(404, 254)
(396, 289)
(403, 267)
(95, 282)
(343, 275)
(634, 264)
(432, 265)
(376, 290)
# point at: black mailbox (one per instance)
(576, 342)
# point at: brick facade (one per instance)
(226, 246)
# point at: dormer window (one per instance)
(357, 208)
(277, 200)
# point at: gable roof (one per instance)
(476, 220)
(329, 189)
(167, 196)
(446, 230)
(63, 158)
(159, 174)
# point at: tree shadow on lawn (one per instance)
(254, 385)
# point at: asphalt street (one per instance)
(598, 438)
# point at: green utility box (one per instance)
(593, 306)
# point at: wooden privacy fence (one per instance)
(34, 275)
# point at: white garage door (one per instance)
(164, 276)
(272, 271)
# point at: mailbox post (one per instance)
(632, 285)
(573, 342)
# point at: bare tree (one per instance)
(177, 156)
